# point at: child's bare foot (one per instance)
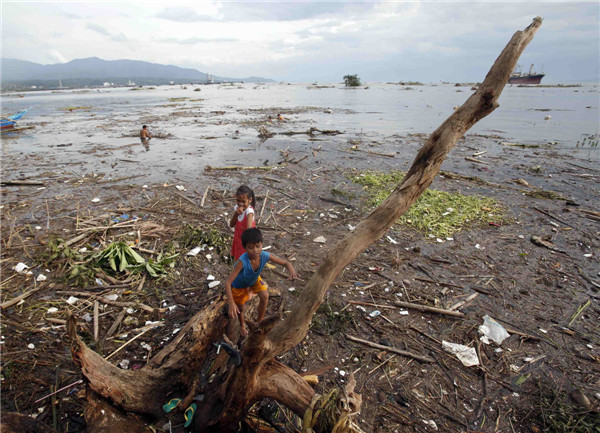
(243, 330)
(251, 294)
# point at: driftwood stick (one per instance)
(552, 216)
(480, 181)
(132, 340)
(372, 152)
(96, 319)
(370, 304)
(330, 200)
(425, 280)
(144, 307)
(428, 309)
(233, 167)
(204, 196)
(76, 239)
(114, 226)
(468, 158)
(115, 324)
(21, 183)
(390, 349)
(19, 298)
(263, 206)
(382, 364)
(141, 285)
(186, 198)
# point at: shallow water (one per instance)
(210, 126)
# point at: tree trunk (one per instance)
(260, 375)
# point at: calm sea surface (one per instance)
(211, 125)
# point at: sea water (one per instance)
(218, 124)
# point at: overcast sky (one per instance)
(310, 41)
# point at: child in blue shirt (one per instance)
(245, 281)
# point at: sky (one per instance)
(290, 41)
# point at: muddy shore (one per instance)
(536, 273)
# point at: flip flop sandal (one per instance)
(233, 354)
(189, 414)
(172, 404)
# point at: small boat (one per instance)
(9, 123)
(532, 77)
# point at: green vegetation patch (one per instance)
(332, 319)
(190, 237)
(436, 213)
(120, 257)
(555, 411)
(71, 265)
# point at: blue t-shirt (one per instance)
(248, 276)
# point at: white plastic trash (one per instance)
(20, 267)
(41, 277)
(493, 330)
(213, 284)
(375, 313)
(466, 355)
(72, 300)
(319, 240)
(194, 251)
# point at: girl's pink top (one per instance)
(240, 225)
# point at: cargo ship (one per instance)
(532, 77)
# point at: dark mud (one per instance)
(546, 298)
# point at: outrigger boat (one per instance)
(9, 123)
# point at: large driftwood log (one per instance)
(259, 374)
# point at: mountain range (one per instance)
(94, 72)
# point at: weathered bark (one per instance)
(101, 416)
(144, 391)
(14, 422)
(259, 375)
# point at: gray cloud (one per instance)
(120, 37)
(194, 41)
(75, 16)
(98, 28)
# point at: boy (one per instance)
(245, 282)
(144, 133)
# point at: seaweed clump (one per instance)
(436, 213)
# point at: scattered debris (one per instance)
(466, 355)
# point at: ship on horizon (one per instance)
(532, 77)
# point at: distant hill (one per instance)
(94, 71)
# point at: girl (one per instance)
(242, 219)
